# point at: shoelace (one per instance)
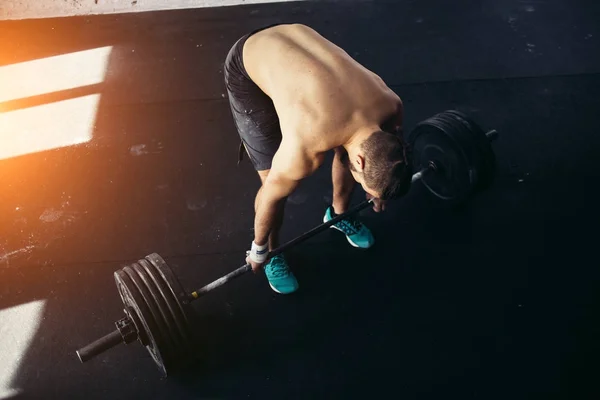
(277, 267)
(350, 226)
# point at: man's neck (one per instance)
(353, 144)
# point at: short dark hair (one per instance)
(388, 165)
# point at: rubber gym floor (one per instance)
(495, 300)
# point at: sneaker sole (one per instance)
(347, 237)
(277, 291)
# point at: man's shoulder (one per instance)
(296, 159)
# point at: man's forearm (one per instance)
(266, 215)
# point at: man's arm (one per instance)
(290, 165)
(276, 188)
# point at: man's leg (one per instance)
(343, 185)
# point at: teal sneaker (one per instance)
(357, 234)
(281, 279)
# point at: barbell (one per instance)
(453, 158)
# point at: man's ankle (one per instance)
(335, 213)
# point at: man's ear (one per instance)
(359, 162)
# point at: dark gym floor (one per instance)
(498, 300)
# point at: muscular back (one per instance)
(322, 95)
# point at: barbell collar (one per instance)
(127, 329)
(431, 167)
(126, 333)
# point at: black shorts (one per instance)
(253, 111)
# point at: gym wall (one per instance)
(27, 9)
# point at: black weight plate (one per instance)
(476, 133)
(172, 314)
(157, 301)
(145, 324)
(179, 294)
(181, 320)
(164, 345)
(487, 169)
(453, 179)
(182, 309)
(462, 136)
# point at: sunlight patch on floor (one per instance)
(68, 119)
(47, 127)
(53, 74)
(18, 327)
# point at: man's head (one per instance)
(382, 165)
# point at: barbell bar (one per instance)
(123, 331)
(451, 152)
(307, 235)
(431, 167)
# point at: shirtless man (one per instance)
(295, 96)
